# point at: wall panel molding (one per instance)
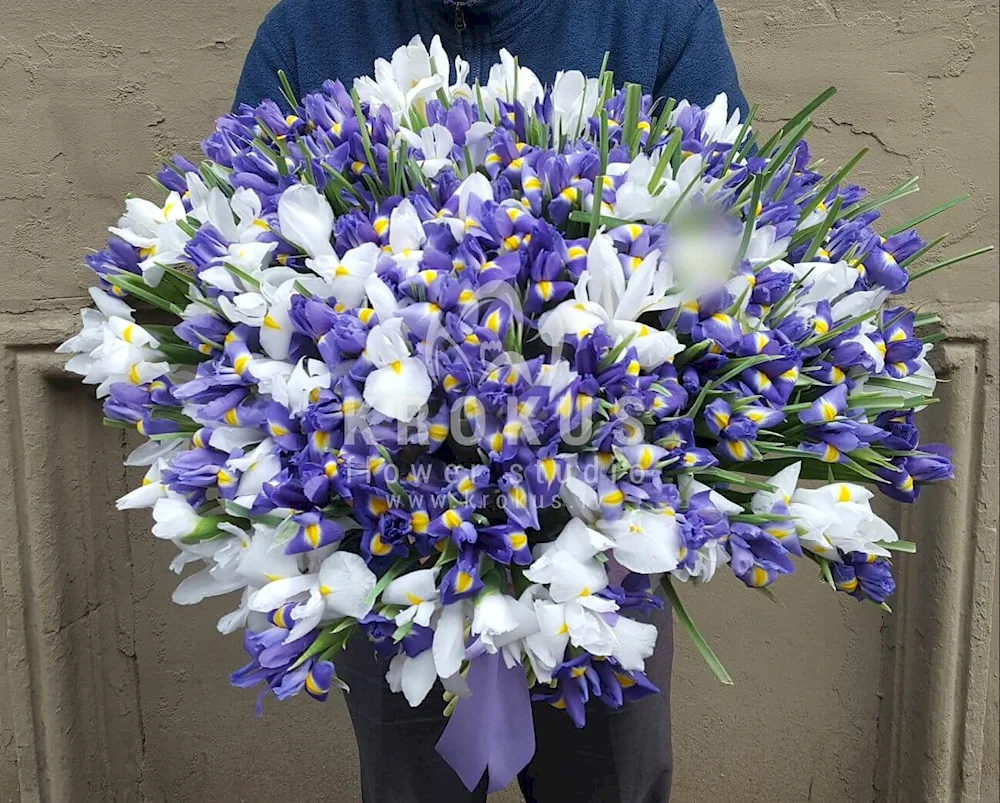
(70, 711)
(939, 663)
(70, 676)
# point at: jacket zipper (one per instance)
(472, 55)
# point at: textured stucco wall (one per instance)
(109, 692)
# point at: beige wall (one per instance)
(109, 692)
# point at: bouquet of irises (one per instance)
(478, 373)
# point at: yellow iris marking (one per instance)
(512, 429)
(133, 375)
(320, 439)
(848, 585)
(613, 498)
(278, 617)
(843, 494)
(463, 582)
(419, 521)
(396, 366)
(576, 251)
(350, 406)
(379, 547)
(378, 506)
(231, 417)
(548, 466)
(565, 406)
(518, 541)
(625, 681)
(381, 225)
(645, 459)
(270, 322)
(569, 194)
(532, 184)
(518, 496)
(330, 469)
(312, 533)
(758, 577)
(493, 321)
(312, 687)
(827, 410)
(413, 599)
(451, 519)
(830, 454)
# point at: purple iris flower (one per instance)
(314, 532)
(117, 257)
(270, 662)
(757, 558)
(864, 577)
(462, 579)
(638, 595)
(576, 679)
(203, 332)
(770, 287)
(702, 522)
(881, 268)
(379, 631)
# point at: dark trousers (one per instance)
(621, 756)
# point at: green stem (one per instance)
(699, 641)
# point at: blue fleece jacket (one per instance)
(674, 48)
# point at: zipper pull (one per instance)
(459, 18)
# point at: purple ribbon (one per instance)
(493, 729)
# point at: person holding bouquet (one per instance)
(673, 49)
